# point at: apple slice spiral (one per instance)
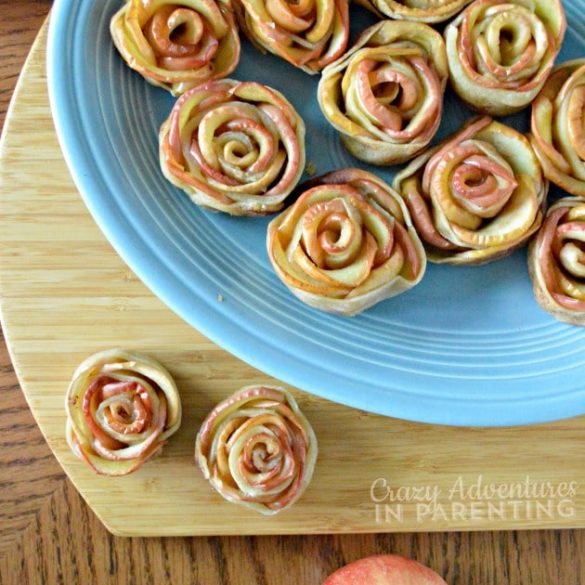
(346, 244)
(558, 127)
(557, 261)
(501, 52)
(416, 10)
(385, 95)
(236, 147)
(177, 44)
(477, 196)
(257, 449)
(309, 34)
(121, 409)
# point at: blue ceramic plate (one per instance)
(468, 346)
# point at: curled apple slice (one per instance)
(477, 196)
(502, 51)
(309, 34)
(384, 570)
(346, 244)
(177, 44)
(385, 95)
(556, 261)
(257, 449)
(558, 127)
(234, 146)
(121, 409)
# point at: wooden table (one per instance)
(48, 535)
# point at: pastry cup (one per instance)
(121, 409)
(430, 11)
(385, 95)
(236, 147)
(477, 196)
(177, 44)
(346, 244)
(309, 34)
(556, 261)
(501, 52)
(558, 131)
(258, 449)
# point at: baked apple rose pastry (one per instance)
(346, 243)
(558, 127)
(121, 409)
(309, 34)
(177, 44)
(417, 10)
(257, 449)
(477, 196)
(557, 261)
(236, 147)
(501, 52)
(385, 95)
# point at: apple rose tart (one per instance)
(417, 10)
(558, 127)
(257, 449)
(501, 52)
(477, 196)
(557, 261)
(385, 95)
(177, 44)
(236, 147)
(346, 243)
(121, 409)
(308, 34)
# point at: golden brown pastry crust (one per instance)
(177, 44)
(121, 409)
(502, 51)
(346, 244)
(236, 147)
(556, 261)
(477, 196)
(258, 449)
(385, 95)
(430, 11)
(558, 127)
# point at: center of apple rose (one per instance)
(125, 407)
(262, 453)
(570, 247)
(175, 31)
(330, 231)
(392, 87)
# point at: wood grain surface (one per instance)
(48, 535)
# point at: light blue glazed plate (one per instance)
(468, 346)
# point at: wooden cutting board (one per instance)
(65, 294)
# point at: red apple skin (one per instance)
(384, 570)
